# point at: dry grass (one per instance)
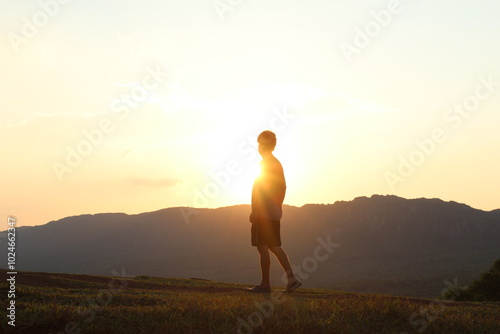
(59, 303)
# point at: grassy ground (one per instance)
(63, 303)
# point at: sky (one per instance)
(128, 106)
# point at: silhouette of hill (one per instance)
(384, 244)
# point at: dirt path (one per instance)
(75, 281)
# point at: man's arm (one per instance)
(280, 196)
(280, 184)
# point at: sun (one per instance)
(239, 190)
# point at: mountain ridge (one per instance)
(375, 196)
(387, 244)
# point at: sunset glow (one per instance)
(120, 106)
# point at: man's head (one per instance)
(267, 142)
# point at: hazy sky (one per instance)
(134, 106)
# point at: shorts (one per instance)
(266, 232)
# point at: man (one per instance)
(268, 194)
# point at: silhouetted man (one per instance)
(268, 194)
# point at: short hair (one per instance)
(268, 139)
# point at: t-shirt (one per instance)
(268, 190)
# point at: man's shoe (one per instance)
(259, 289)
(292, 287)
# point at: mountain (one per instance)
(381, 244)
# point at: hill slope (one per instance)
(55, 303)
(383, 244)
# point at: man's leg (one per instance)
(285, 263)
(265, 265)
